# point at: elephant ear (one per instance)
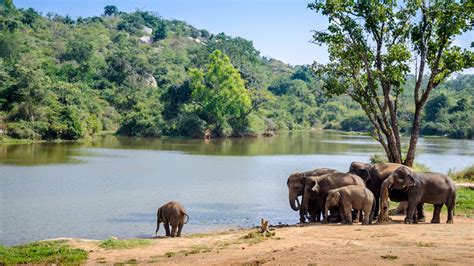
(409, 180)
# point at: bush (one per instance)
(27, 130)
(140, 124)
(466, 174)
(378, 158)
(190, 125)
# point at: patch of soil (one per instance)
(393, 243)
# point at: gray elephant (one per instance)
(428, 187)
(296, 186)
(374, 175)
(348, 198)
(321, 185)
(172, 213)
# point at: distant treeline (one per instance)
(138, 74)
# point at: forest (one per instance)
(138, 74)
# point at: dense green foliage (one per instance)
(44, 252)
(141, 75)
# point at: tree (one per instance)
(371, 45)
(110, 10)
(160, 32)
(220, 93)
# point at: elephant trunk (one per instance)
(306, 197)
(383, 217)
(326, 211)
(292, 199)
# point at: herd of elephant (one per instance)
(348, 195)
(366, 188)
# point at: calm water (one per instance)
(113, 186)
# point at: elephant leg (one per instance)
(174, 227)
(436, 212)
(451, 203)
(355, 218)
(450, 214)
(312, 210)
(317, 212)
(367, 215)
(420, 212)
(348, 216)
(167, 229)
(347, 212)
(410, 213)
(341, 214)
(322, 206)
(180, 227)
(375, 213)
(302, 216)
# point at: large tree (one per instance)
(220, 93)
(373, 46)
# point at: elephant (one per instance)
(374, 175)
(172, 213)
(429, 187)
(296, 185)
(348, 198)
(320, 185)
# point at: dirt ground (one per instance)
(311, 244)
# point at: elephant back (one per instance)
(337, 180)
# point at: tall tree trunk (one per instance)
(410, 158)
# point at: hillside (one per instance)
(138, 74)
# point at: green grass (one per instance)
(465, 202)
(57, 252)
(114, 243)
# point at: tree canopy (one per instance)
(372, 45)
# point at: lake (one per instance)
(112, 186)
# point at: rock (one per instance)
(145, 39)
(148, 31)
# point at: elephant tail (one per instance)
(187, 216)
(158, 215)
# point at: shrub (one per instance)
(466, 174)
(191, 125)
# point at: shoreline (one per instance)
(395, 242)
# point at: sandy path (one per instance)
(395, 243)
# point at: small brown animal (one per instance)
(351, 197)
(172, 213)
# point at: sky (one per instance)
(280, 29)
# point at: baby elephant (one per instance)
(348, 198)
(172, 213)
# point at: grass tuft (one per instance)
(44, 252)
(114, 243)
(465, 175)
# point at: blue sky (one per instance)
(280, 29)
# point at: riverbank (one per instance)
(308, 244)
